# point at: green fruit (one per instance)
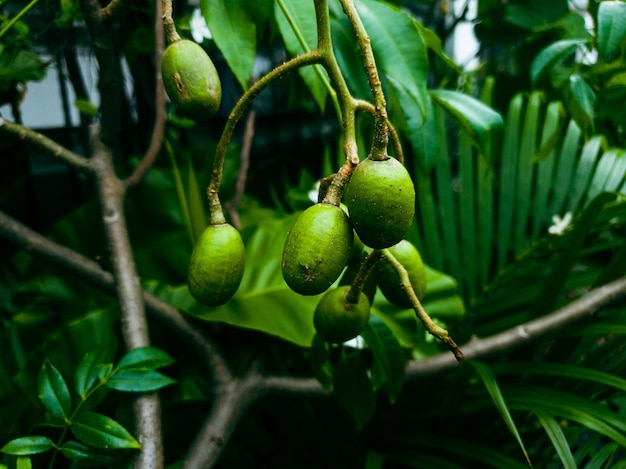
(389, 282)
(216, 265)
(336, 320)
(317, 249)
(191, 80)
(369, 288)
(381, 201)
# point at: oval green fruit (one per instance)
(317, 249)
(381, 201)
(389, 282)
(336, 320)
(191, 80)
(216, 265)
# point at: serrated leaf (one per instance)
(389, 362)
(353, 388)
(302, 15)
(552, 55)
(234, 33)
(53, 392)
(149, 358)
(101, 431)
(87, 455)
(493, 389)
(87, 373)
(320, 362)
(27, 445)
(482, 124)
(399, 51)
(138, 380)
(611, 27)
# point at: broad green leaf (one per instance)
(552, 55)
(320, 362)
(87, 373)
(234, 33)
(19, 66)
(433, 42)
(53, 392)
(301, 25)
(88, 455)
(482, 123)
(138, 380)
(583, 102)
(347, 54)
(399, 51)
(389, 361)
(149, 358)
(493, 389)
(101, 431)
(611, 27)
(353, 388)
(28, 445)
(555, 433)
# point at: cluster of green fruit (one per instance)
(324, 240)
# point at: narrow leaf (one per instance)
(555, 433)
(234, 33)
(87, 373)
(27, 445)
(583, 103)
(138, 380)
(493, 389)
(101, 431)
(611, 27)
(354, 389)
(552, 55)
(53, 392)
(149, 358)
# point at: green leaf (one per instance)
(53, 392)
(320, 362)
(86, 107)
(583, 102)
(87, 373)
(389, 361)
(19, 66)
(149, 358)
(302, 14)
(347, 54)
(353, 388)
(88, 455)
(493, 389)
(234, 33)
(24, 462)
(482, 123)
(555, 433)
(611, 27)
(138, 380)
(399, 51)
(552, 55)
(27, 445)
(425, 139)
(101, 431)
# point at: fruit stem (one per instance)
(433, 328)
(381, 129)
(215, 207)
(169, 28)
(354, 292)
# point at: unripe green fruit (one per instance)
(381, 201)
(216, 265)
(389, 282)
(191, 80)
(336, 320)
(317, 249)
(369, 288)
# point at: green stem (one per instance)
(305, 47)
(215, 207)
(354, 292)
(433, 328)
(17, 17)
(381, 130)
(180, 190)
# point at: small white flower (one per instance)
(559, 225)
(199, 28)
(356, 343)
(313, 192)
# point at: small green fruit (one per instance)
(381, 201)
(317, 249)
(216, 265)
(191, 80)
(388, 280)
(336, 320)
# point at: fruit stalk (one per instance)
(433, 329)
(353, 294)
(168, 23)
